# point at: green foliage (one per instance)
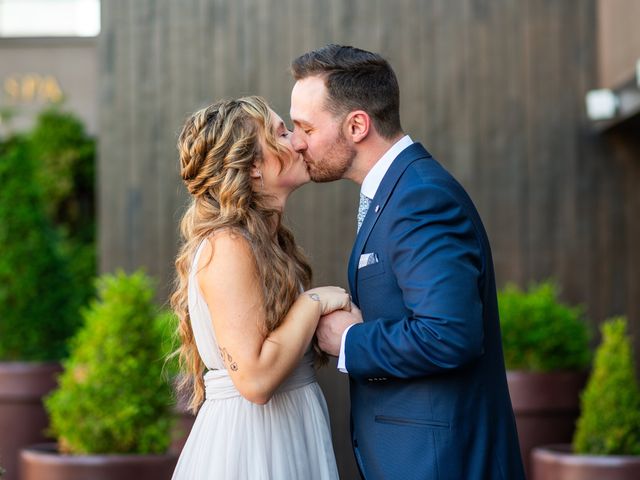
(66, 171)
(610, 420)
(65, 156)
(6, 117)
(48, 257)
(112, 396)
(539, 333)
(167, 325)
(37, 310)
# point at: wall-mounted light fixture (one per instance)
(609, 107)
(602, 104)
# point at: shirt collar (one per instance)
(376, 174)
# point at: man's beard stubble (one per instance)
(335, 163)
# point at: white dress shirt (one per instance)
(369, 188)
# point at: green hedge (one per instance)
(65, 157)
(37, 302)
(112, 396)
(540, 333)
(610, 420)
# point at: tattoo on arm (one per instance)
(226, 357)
(314, 296)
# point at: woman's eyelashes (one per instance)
(286, 131)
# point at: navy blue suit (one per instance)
(429, 396)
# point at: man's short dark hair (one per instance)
(355, 80)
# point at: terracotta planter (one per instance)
(546, 407)
(43, 462)
(22, 415)
(557, 462)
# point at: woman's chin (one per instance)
(305, 178)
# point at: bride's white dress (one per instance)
(288, 438)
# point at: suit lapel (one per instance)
(389, 181)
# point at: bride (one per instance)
(247, 315)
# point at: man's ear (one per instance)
(358, 124)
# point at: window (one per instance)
(49, 18)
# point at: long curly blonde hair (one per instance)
(218, 146)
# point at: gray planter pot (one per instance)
(557, 462)
(43, 462)
(22, 415)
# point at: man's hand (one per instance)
(332, 326)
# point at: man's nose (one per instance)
(297, 143)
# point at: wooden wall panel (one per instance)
(494, 89)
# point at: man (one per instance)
(429, 396)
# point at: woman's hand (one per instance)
(330, 298)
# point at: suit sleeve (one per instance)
(437, 262)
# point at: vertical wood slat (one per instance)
(494, 89)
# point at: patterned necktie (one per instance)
(362, 209)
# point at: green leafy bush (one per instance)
(37, 309)
(167, 324)
(539, 333)
(66, 169)
(65, 156)
(112, 396)
(610, 420)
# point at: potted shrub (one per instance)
(37, 310)
(606, 445)
(546, 350)
(65, 155)
(111, 413)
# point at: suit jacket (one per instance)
(429, 397)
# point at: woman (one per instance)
(244, 317)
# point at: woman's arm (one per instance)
(229, 280)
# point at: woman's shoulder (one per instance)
(226, 248)
(227, 270)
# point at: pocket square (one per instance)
(367, 259)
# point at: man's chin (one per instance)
(323, 180)
(323, 177)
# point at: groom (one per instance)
(429, 396)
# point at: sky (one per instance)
(47, 18)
